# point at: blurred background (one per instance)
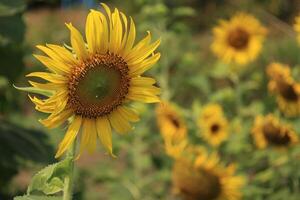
(187, 71)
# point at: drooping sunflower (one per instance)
(297, 28)
(238, 40)
(205, 178)
(287, 91)
(172, 128)
(92, 86)
(213, 124)
(269, 131)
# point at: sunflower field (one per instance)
(149, 100)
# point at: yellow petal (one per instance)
(65, 55)
(116, 32)
(146, 98)
(120, 124)
(70, 136)
(49, 86)
(88, 136)
(104, 133)
(128, 114)
(124, 39)
(56, 120)
(142, 81)
(131, 38)
(152, 90)
(50, 53)
(140, 68)
(142, 54)
(93, 31)
(77, 42)
(54, 78)
(104, 33)
(53, 65)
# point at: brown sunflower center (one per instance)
(174, 120)
(195, 184)
(287, 91)
(238, 38)
(215, 128)
(98, 85)
(275, 135)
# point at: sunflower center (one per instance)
(98, 85)
(196, 183)
(215, 128)
(274, 135)
(238, 38)
(287, 91)
(174, 121)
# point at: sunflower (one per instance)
(297, 27)
(238, 40)
(92, 87)
(213, 124)
(287, 91)
(205, 178)
(172, 128)
(269, 131)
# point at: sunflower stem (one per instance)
(68, 182)
(236, 80)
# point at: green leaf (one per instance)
(34, 90)
(34, 197)
(12, 28)
(184, 11)
(50, 180)
(18, 144)
(9, 7)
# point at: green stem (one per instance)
(236, 80)
(68, 183)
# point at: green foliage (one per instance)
(50, 180)
(17, 145)
(34, 197)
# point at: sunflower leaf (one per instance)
(34, 197)
(50, 180)
(34, 90)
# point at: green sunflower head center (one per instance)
(238, 38)
(195, 184)
(276, 135)
(98, 85)
(287, 91)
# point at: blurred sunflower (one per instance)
(269, 130)
(213, 124)
(297, 28)
(287, 91)
(172, 128)
(238, 40)
(204, 178)
(92, 87)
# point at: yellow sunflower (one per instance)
(213, 124)
(287, 91)
(205, 178)
(172, 128)
(269, 131)
(238, 40)
(92, 86)
(297, 28)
